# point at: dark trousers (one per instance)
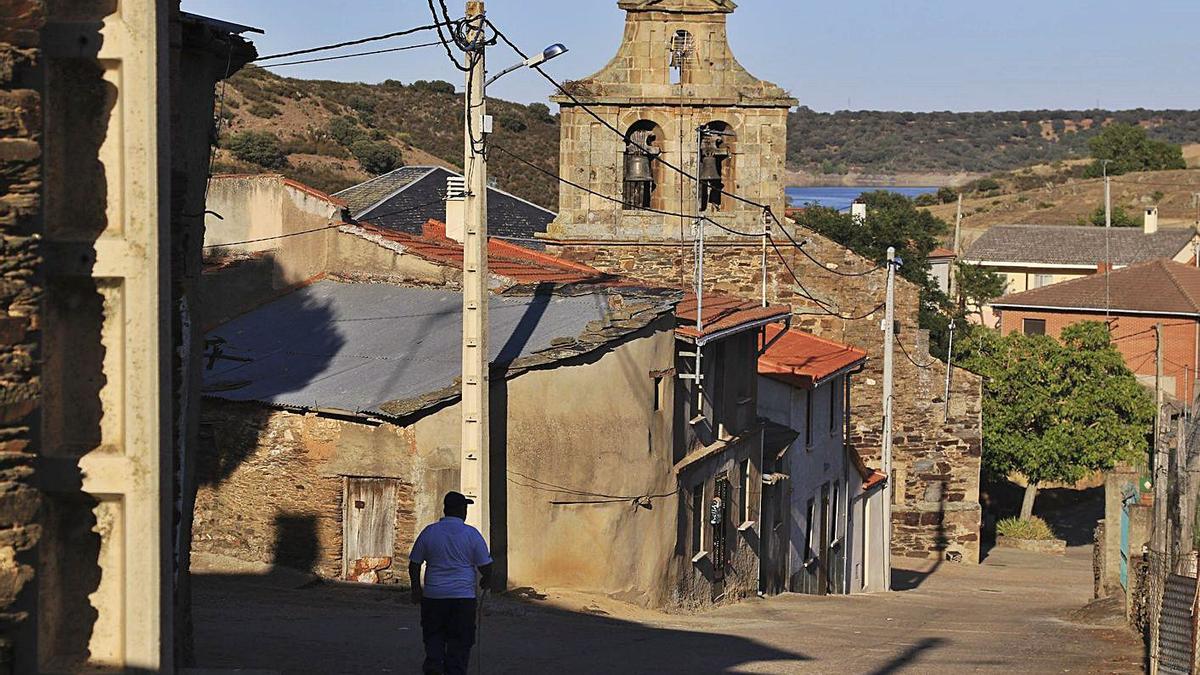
(448, 628)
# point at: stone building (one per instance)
(107, 113)
(632, 139)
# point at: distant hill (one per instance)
(884, 143)
(317, 122)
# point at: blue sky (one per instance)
(861, 54)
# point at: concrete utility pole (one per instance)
(949, 367)
(1159, 540)
(953, 285)
(889, 338)
(1107, 236)
(473, 467)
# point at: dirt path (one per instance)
(1009, 614)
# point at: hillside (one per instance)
(1070, 202)
(889, 143)
(317, 121)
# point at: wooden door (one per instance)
(368, 527)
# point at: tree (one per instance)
(1128, 148)
(376, 157)
(1120, 218)
(258, 147)
(1056, 411)
(345, 130)
(977, 286)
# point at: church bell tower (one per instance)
(674, 97)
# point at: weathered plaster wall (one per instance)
(262, 207)
(587, 425)
(20, 288)
(937, 451)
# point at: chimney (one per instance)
(456, 195)
(1150, 225)
(858, 212)
(1102, 267)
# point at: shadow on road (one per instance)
(284, 622)
(909, 656)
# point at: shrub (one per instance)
(947, 195)
(1120, 218)
(345, 130)
(362, 104)
(436, 86)
(264, 109)
(376, 158)
(926, 200)
(258, 147)
(1017, 528)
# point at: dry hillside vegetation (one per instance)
(1075, 200)
(317, 123)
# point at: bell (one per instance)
(709, 169)
(712, 151)
(637, 168)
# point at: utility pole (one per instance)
(475, 457)
(1107, 237)
(889, 337)
(949, 368)
(1159, 539)
(953, 285)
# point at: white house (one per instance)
(834, 502)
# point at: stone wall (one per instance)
(936, 451)
(20, 288)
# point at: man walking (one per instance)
(451, 550)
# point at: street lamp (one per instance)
(475, 456)
(556, 49)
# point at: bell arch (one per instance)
(642, 173)
(718, 170)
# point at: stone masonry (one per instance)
(20, 288)
(937, 447)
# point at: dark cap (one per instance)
(455, 500)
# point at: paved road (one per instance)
(1010, 614)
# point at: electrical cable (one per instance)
(350, 56)
(500, 34)
(807, 294)
(908, 356)
(373, 38)
(278, 236)
(822, 265)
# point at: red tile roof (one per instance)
(507, 260)
(1156, 287)
(870, 477)
(804, 359)
(941, 252)
(722, 312)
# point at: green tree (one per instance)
(258, 147)
(1056, 411)
(1120, 218)
(376, 157)
(1128, 148)
(893, 220)
(345, 130)
(976, 287)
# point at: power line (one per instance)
(807, 294)
(373, 38)
(904, 350)
(351, 56)
(278, 236)
(824, 266)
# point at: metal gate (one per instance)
(1175, 625)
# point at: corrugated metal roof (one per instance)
(359, 347)
(1076, 244)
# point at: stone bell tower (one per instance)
(673, 75)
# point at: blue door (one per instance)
(1129, 495)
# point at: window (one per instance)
(683, 54)
(642, 172)
(743, 491)
(811, 535)
(659, 391)
(834, 524)
(717, 152)
(1033, 326)
(808, 415)
(1040, 280)
(698, 519)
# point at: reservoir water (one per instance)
(841, 197)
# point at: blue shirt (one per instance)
(451, 550)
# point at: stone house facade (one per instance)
(937, 444)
